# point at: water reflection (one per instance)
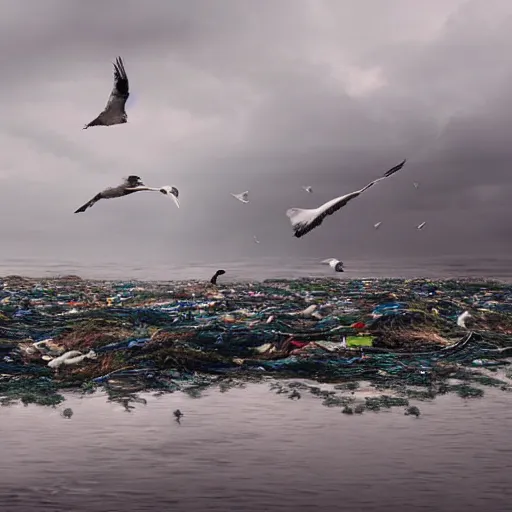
(254, 449)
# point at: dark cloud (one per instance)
(266, 96)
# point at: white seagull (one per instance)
(335, 264)
(114, 112)
(256, 240)
(243, 197)
(421, 225)
(308, 189)
(416, 185)
(131, 185)
(304, 220)
(376, 226)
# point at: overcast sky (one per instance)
(266, 95)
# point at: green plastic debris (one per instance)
(359, 341)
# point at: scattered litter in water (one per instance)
(405, 338)
(412, 411)
(67, 413)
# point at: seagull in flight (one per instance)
(377, 226)
(243, 197)
(416, 185)
(131, 185)
(305, 220)
(114, 112)
(256, 240)
(335, 264)
(308, 189)
(421, 226)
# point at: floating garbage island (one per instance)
(407, 339)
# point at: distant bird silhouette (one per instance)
(308, 189)
(131, 185)
(421, 226)
(256, 239)
(114, 112)
(213, 280)
(377, 225)
(305, 220)
(242, 197)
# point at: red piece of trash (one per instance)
(358, 325)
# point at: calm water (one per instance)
(268, 267)
(252, 450)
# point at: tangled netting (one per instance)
(409, 336)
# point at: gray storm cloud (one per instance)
(267, 96)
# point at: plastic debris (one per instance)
(128, 337)
(461, 320)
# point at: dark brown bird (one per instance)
(114, 112)
(213, 280)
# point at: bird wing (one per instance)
(120, 91)
(166, 190)
(137, 189)
(328, 261)
(305, 220)
(90, 203)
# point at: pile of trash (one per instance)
(416, 337)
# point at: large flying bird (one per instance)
(304, 220)
(131, 185)
(114, 112)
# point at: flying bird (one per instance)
(335, 264)
(256, 239)
(421, 225)
(213, 280)
(308, 189)
(416, 185)
(305, 220)
(243, 197)
(376, 226)
(114, 112)
(131, 185)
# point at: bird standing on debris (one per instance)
(213, 280)
(305, 220)
(114, 112)
(131, 185)
(335, 264)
